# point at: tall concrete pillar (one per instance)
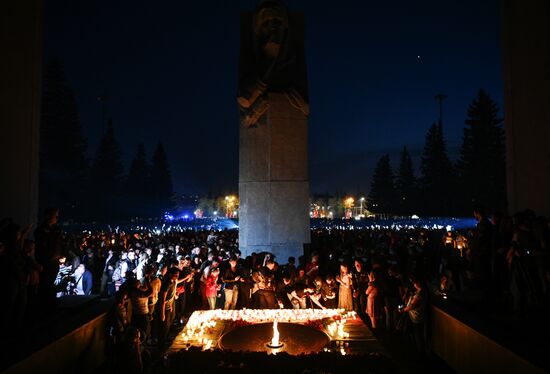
(526, 42)
(273, 183)
(20, 82)
(273, 169)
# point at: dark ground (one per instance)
(402, 351)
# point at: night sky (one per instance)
(170, 72)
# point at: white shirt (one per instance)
(139, 270)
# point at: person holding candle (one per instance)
(373, 300)
(360, 279)
(212, 287)
(316, 295)
(416, 308)
(345, 298)
(231, 279)
(265, 281)
(167, 295)
(312, 268)
(329, 290)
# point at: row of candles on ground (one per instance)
(204, 342)
(202, 322)
(268, 315)
(196, 331)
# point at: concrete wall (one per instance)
(467, 351)
(80, 351)
(526, 42)
(273, 182)
(20, 65)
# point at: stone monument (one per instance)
(273, 105)
(526, 63)
(20, 92)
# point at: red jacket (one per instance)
(211, 286)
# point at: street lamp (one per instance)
(361, 206)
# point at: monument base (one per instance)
(282, 251)
(273, 183)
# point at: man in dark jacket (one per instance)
(265, 280)
(107, 284)
(84, 280)
(165, 302)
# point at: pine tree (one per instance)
(382, 192)
(107, 176)
(482, 156)
(336, 206)
(138, 184)
(405, 184)
(208, 206)
(63, 164)
(437, 171)
(161, 179)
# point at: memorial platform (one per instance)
(345, 332)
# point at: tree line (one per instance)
(99, 189)
(94, 189)
(444, 187)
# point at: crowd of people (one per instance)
(387, 276)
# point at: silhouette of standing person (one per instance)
(48, 251)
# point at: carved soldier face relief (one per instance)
(271, 25)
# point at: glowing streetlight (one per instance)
(229, 203)
(348, 205)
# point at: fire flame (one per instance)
(275, 339)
